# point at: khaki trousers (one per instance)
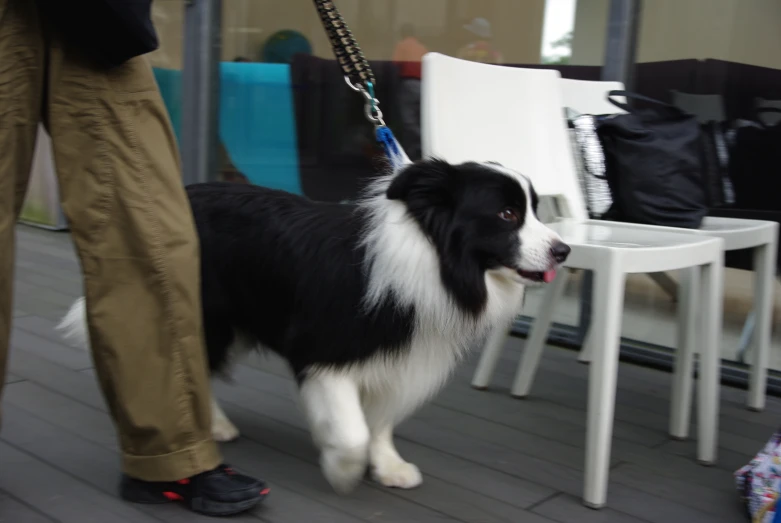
(120, 186)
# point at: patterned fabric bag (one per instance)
(759, 483)
(590, 162)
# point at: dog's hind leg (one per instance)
(332, 405)
(223, 429)
(387, 466)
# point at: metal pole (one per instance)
(620, 53)
(621, 43)
(201, 90)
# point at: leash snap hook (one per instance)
(371, 104)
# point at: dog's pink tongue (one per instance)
(548, 276)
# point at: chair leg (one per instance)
(746, 335)
(587, 350)
(492, 350)
(667, 284)
(530, 361)
(712, 292)
(683, 370)
(764, 275)
(606, 329)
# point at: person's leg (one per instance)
(121, 190)
(122, 193)
(21, 87)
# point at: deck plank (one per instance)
(14, 511)
(59, 495)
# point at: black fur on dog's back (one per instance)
(288, 273)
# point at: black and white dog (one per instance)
(372, 305)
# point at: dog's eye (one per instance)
(509, 215)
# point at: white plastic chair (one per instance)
(473, 112)
(590, 97)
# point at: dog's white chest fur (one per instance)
(392, 388)
(403, 263)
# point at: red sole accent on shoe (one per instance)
(265, 491)
(173, 496)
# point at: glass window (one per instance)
(287, 119)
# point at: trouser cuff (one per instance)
(184, 463)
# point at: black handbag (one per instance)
(755, 164)
(108, 32)
(653, 164)
(715, 152)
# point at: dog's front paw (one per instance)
(223, 430)
(397, 474)
(344, 468)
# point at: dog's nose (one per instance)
(560, 251)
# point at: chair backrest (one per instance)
(590, 97)
(478, 112)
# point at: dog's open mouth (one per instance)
(538, 276)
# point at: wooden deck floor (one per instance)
(485, 457)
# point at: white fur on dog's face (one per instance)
(481, 219)
(535, 239)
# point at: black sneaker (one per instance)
(218, 492)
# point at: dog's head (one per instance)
(482, 219)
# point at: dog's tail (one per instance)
(73, 326)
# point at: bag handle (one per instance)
(759, 111)
(636, 96)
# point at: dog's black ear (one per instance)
(429, 180)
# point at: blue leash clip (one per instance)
(388, 142)
(383, 134)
